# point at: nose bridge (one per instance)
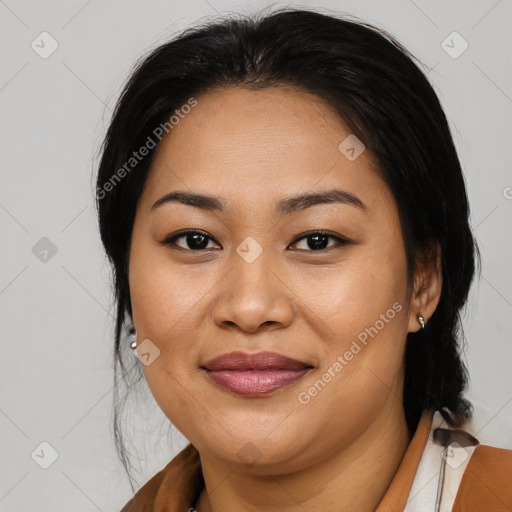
(250, 274)
(251, 294)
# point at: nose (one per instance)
(253, 297)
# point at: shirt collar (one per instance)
(177, 486)
(400, 487)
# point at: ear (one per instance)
(428, 282)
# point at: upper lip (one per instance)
(254, 361)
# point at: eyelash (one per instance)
(341, 241)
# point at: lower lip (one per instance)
(255, 382)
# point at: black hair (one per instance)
(379, 90)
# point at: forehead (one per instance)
(247, 145)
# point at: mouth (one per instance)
(255, 374)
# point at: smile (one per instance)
(254, 374)
(255, 382)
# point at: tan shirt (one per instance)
(443, 470)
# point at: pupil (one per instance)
(319, 241)
(200, 241)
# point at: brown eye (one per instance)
(190, 240)
(319, 241)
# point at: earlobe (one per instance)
(427, 286)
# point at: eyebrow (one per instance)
(284, 206)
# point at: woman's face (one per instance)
(262, 279)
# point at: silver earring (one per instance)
(133, 337)
(421, 320)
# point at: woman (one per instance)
(287, 220)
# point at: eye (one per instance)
(319, 241)
(192, 240)
(315, 241)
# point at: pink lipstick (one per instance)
(254, 374)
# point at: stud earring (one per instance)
(132, 336)
(421, 320)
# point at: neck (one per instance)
(353, 478)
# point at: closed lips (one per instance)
(256, 374)
(256, 361)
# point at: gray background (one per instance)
(56, 314)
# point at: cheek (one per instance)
(363, 305)
(166, 297)
(354, 295)
(166, 308)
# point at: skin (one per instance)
(252, 149)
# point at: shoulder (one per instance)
(457, 473)
(177, 485)
(144, 498)
(474, 476)
(487, 481)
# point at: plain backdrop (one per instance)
(55, 300)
